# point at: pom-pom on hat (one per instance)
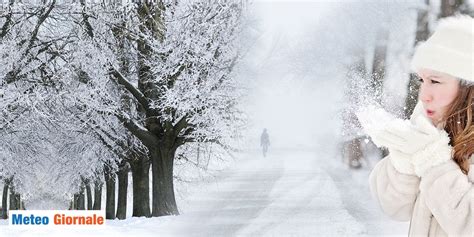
(449, 49)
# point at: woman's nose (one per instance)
(425, 94)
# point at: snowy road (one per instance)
(287, 193)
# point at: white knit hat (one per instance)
(449, 49)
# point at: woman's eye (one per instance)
(434, 82)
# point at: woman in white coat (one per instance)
(427, 178)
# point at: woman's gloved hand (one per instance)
(388, 131)
(409, 137)
(376, 123)
(417, 142)
(436, 152)
(401, 161)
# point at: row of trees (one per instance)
(91, 91)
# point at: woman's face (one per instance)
(437, 91)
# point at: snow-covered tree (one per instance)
(88, 88)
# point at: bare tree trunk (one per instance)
(6, 185)
(89, 194)
(12, 205)
(97, 195)
(17, 201)
(164, 202)
(351, 149)
(354, 153)
(75, 201)
(110, 194)
(450, 7)
(122, 191)
(81, 199)
(141, 187)
(14, 200)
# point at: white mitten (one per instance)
(437, 152)
(377, 123)
(406, 137)
(374, 120)
(401, 162)
(388, 131)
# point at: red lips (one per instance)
(429, 112)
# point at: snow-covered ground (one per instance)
(287, 193)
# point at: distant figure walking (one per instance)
(264, 141)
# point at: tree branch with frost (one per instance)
(140, 132)
(130, 88)
(6, 26)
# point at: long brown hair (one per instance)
(460, 125)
